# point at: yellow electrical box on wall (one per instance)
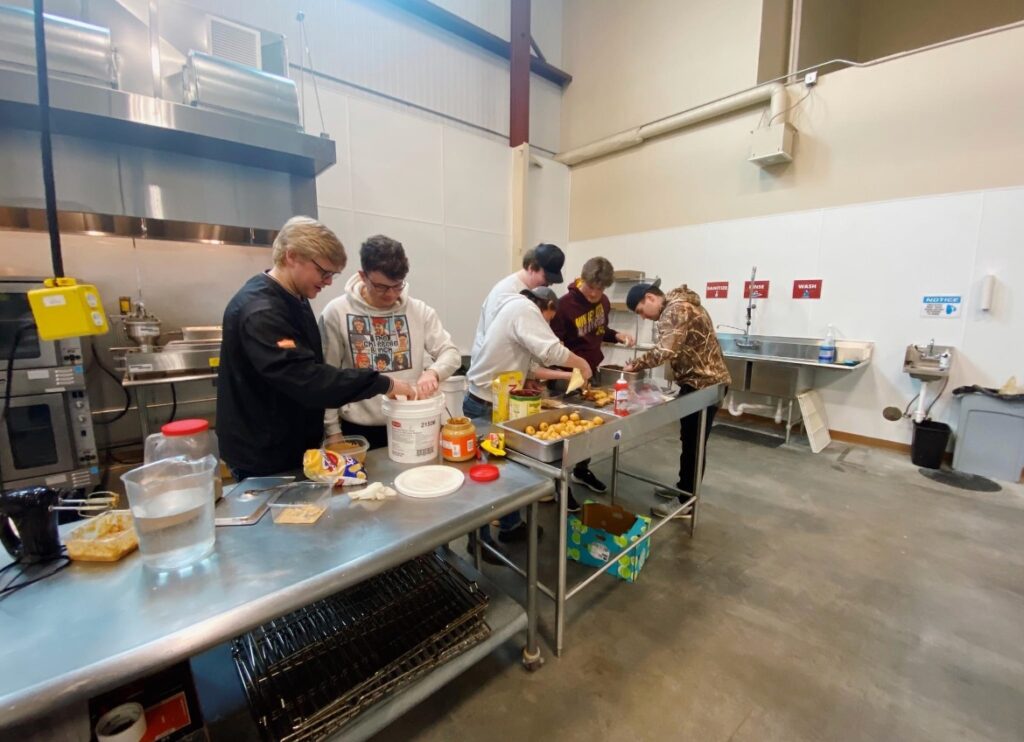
(66, 309)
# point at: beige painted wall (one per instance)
(887, 27)
(829, 29)
(945, 120)
(633, 61)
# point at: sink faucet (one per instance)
(927, 352)
(745, 341)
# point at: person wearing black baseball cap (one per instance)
(542, 266)
(687, 341)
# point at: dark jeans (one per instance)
(689, 434)
(476, 409)
(377, 435)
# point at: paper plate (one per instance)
(429, 481)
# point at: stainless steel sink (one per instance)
(928, 362)
(786, 350)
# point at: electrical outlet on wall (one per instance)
(811, 79)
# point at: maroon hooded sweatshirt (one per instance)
(583, 326)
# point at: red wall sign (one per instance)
(717, 290)
(807, 289)
(760, 289)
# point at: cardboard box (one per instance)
(602, 532)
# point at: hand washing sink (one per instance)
(791, 350)
(928, 362)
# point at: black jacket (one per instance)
(273, 384)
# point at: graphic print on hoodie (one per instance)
(379, 343)
(402, 341)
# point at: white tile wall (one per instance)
(876, 262)
(396, 163)
(476, 182)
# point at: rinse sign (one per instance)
(941, 307)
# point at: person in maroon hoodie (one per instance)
(581, 323)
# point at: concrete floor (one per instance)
(839, 596)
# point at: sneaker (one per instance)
(574, 507)
(587, 479)
(663, 509)
(518, 533)
(667, 492)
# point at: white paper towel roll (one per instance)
(988, 287)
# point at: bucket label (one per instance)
(380, 343)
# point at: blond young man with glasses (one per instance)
(375, 319)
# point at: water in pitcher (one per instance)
(175, 527)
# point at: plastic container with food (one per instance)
(301, 503)
(354, 446)
(105, 538)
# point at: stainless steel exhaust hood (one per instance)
(223, 150)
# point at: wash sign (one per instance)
(941, 307)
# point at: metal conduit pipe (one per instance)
(772, 90)
(775, 93)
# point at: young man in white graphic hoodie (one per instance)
(375, 324)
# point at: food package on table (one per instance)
(321, 465)
(105, 538)
(501, 386)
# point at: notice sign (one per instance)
(807, 289)
(940, 307)
(717, 290)
(759, 290)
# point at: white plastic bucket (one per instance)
(454, 388)
(414, 428)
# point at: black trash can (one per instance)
(929, 443)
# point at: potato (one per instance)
(530, 430)
(563, 419)
(598, 420)
(575, 417)
(544, 426)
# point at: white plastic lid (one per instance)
(429, 481)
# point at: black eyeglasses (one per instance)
(383, 288)
(325, 274)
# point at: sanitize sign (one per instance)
(941, 307)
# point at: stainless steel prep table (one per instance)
(610, 437)
(93, 627)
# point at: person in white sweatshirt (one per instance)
(519, 339)
(376, 324)
(542, 266)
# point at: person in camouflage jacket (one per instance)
(686, 341)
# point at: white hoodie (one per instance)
(517, 339)
(508, 285)
(393, 341)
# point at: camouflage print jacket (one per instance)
(686, 339)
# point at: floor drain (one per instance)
(961, 480)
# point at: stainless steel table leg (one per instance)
(563, 519)
(142, 400)
(700, 469)
(478, 557)
(615, 474)
(789, 420)
(532, 659)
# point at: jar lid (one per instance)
(185, 427)
(483, 473)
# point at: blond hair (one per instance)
(308, 239)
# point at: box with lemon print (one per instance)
(602, 532)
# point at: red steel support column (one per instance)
(519, 75)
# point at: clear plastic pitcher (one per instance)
(172, 505)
